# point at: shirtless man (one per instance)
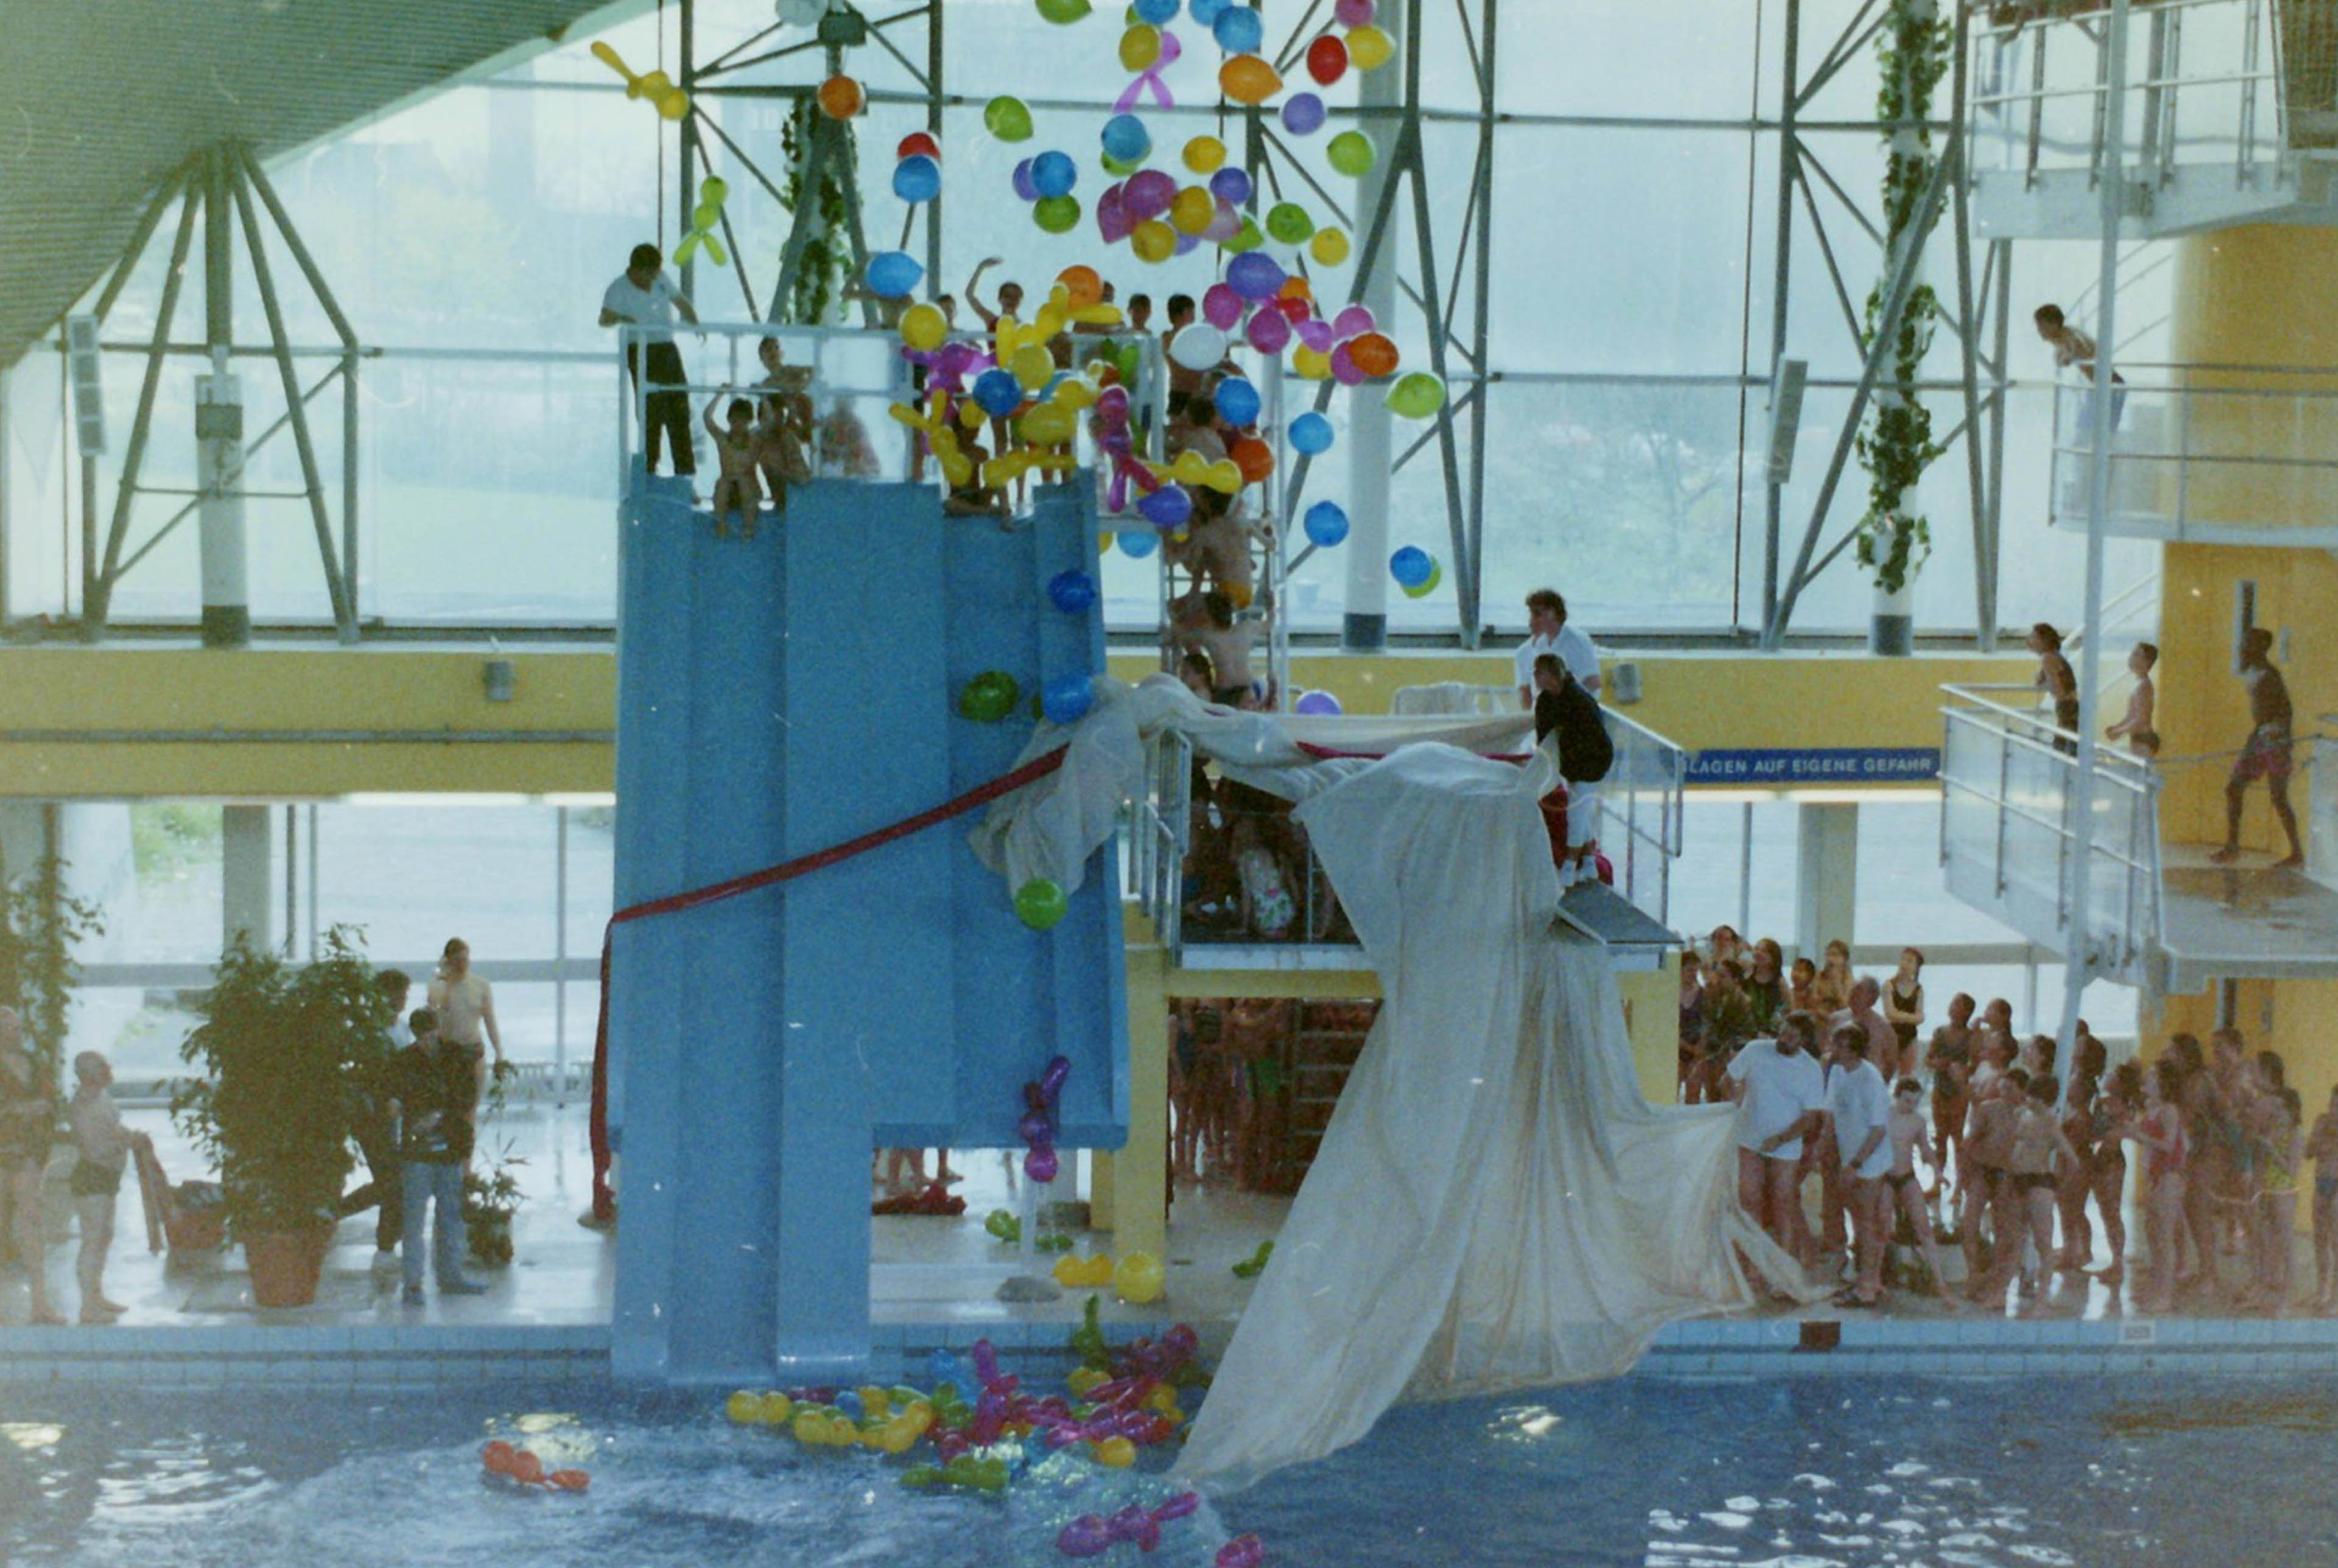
(1949, 1061)
(1216, 547)
(1989, 1133)
(2266, 753)
(2073, 347)
(2135, 728)
(2026, 1203)
(1203, 621)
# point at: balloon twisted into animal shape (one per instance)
(941, 436)
(657, 87)
(705, 219)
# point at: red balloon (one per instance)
(1293, 309)
(918, 143)
(497, 1457)
(527, 1468)
(1327, 59)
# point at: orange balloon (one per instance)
(1254, 457)
(1374, 355)
(1294, 287)
(497, 1457)
(1247, 79)
(525, 1468)
(841, 98)
(570, 1480)
(1081, 284)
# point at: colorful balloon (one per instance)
(1270, 331)
(1353, 13)
(1287, 223)
(1369, 48)
(997, 392)
(1352, 321)
(1231, 185)
(1374, 355)
(1411, 566)
(1040, 904)
(1327, 60)
(1057, 214)
(1326, 523)
(1021, 181)
(1315, 704)
(1221, 307)
(1125, 138)
(1054, 174)
(1192, 210)
(1416, 395)
(1170, 507)
(1147, 194)
(1007, 118)
(1204, 154)
(1351, 152)
(1311, 432)
(841, 98)
(1302, 114)
(1254, 457)
(1245, 239)
(1329, 247)
(1239, 30)
(919, 144)
(1237, 401)
(1159, 12)
(1428, 585)
(916, 177)
(1136, 543)
(1254, 275)
(1246, 78)
(1138, 1278)
(1198, 345)
(1153, 241)
(891, 274)
(988, 697)
(1063, 12)
(1140, 46)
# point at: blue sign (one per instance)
(1825, 765)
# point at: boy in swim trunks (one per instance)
(2266, 753)
(1903, 1193)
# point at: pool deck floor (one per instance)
(935, 1285)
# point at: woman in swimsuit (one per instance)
(2161, 1132)
(2321, 1148)
(28, 1119)
(1904, 1006)
(1904, 1192)
(2077, 1179)
(1949, 1060)
(2116, 1112)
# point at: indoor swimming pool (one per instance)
(1804, 1474)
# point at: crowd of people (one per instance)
(1973, 1139)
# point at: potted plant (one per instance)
(280, 1049)
(491, 1195)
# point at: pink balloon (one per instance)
(1170, 51)
(1112, 406)
(1040, 1164)
(1316, 334)
(1113, 221)
(1343, 367)
(1224, 224)
(1353, 13)
(1352, 322)
(1221, 307)
(1147, 195)
(1270, 331)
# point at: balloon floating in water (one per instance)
(1411, 566)
(520, 1465)
(891, 274)
(841, 98)
(1351, 152)
(988, 697)
(1326, 525)
(1007, 118)
(1138, 1278)
(1310, 432)
(1416, 395)
(916, 177)
(1040, 904)
(657, 88)
(1067, 697)
(1252, 1267)
(703, 221)
(1072, 592)
(1093, 1535)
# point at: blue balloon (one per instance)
(998, 392)
(916, 177)
(1411, 566)
(1229, 185)
(1205, 13)
(1126, 139)
(847, 1400)
(1311, 432)
(1136, 543)
(1326, 523)
(892, 274)
(1065, 698)
(1072, 592)
(1054, 174)
(1239, 30)
(1302, 114)
(1022, 181)
(1167, 507)
(1237, 400)
(1156, 12)
(1254, 275)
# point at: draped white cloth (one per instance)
(1495, 1205)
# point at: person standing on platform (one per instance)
(466, 1006)
(2072, 346)
(1548, 631)
(2135, 728)
(645, 297)
(104, 1145)
(2266, 753)
(430, 1095)
(1782, 1097)
(1859, 1111)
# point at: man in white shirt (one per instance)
(1859, 1106)
(645, 297)
(1782, 1099)
(1548, 632)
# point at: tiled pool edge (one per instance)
(440, 1356)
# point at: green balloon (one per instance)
(1288, 222)
(1040, 904)
(1008, 119)
(1121, 168)
(1247, 238)
(1057, 214)
(1416, 396)
(1351, 152)
(1429, 584)
(988, 697)
(1063, 11)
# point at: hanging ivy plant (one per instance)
(827, 259)
(1897, 445)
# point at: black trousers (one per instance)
(667, 414)
(386, 1193)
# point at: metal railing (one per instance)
(2239, 84)
(1159, 829)
(2220, 453)
(2013, 846)
(1641, 804)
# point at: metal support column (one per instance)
(1967, 351)
(218, 420)
(1789, 154)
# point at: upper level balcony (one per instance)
(2231, 117)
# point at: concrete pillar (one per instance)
(1129, 1195)
(246, 883)
(1826, 873)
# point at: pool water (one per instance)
(2036, 1474)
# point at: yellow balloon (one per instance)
(1369, 48)
(1329, 247)
(1192, 210)
(1048, 323)
(1050, 425)
(971, 415)
(1312, 362)
(1097, 316)
(1205, 155)
(1084, 1378)
(743, 1408)
(1115, 1453)
(1032, 365)
(1138, 1278)
(1225, 475)
(1153, 241)
(923, 326)
(1140, 46)
(1076, 394)
(776, 1411)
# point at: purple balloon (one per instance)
(1113, 221)
(1089, 1535)
(1344, 369)
(1022, 180)
(1221, 307)
(1167, 507)
(1229, 185)
(1315, 332)
(1034, 1129)
(1254, 275)
(1059, 1068)
(1270, 331)
(1352, 322)
(1186, 242)
(1040, 1164)
(1147, 195)
(1302, 114)
(1316, 702)
(1224, 224)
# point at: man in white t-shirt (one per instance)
(1781, 1098)
(1859, 1106)
(645, 297)
(1548, 631)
